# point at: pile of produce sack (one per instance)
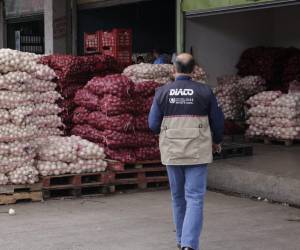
(149, 72)
(233, 91)
(113, 113)
(274, 115)
(160, 73)
(278, 66)
(27, 112)
(73, 73)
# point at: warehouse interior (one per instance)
(152, 22)
(236, 32)
(221, 38)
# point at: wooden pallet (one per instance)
(140, 176)
(10, 189)
(287, 142)
(76, 185)
(120, 166)
(269, 141)
(231, 150)
(10, 194)
(6, 199)
(148, 187)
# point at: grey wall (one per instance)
(2, 26)
(286, 27)
(218, 41)
(57, 24)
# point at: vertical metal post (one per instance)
(74, 27)
(3, 33)
(57, 19)
(179, 27)
(48, 27)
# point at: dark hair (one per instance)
(185, 67)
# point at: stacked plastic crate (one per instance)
(116, 43)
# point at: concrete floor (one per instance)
(142, 221)
(272, 172)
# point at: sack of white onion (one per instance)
(66, 155)
(233, 91)
(274, 115)
(160, 73)
(26, 90)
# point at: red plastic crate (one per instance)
(92, 43)
(123, 57)
(117, 38)
(118, 44)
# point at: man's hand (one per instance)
(216, 148)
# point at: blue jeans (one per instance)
(188, 187)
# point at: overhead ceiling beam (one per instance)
(252, 7)
(94, 4)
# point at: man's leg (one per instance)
(177, 180)
(195, 189)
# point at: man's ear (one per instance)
(174, 70)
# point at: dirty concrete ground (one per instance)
(142, 221)
(272, 172)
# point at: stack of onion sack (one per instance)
(233, 91)
(160, 73)
(264, 62)
(111, 115)
(285, 114)
(73, 73)
(149, 72)
(144, 94)
(275, 115)
(27, 111)
(259, 118)
(69, 155)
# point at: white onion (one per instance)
(3, 179)
(4, 116)
(24, 175)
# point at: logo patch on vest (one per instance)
(182, 92)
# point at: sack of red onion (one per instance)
(121, 123)
(112, 105)
(116, 85)
(86, 99)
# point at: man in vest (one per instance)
(190, 125)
